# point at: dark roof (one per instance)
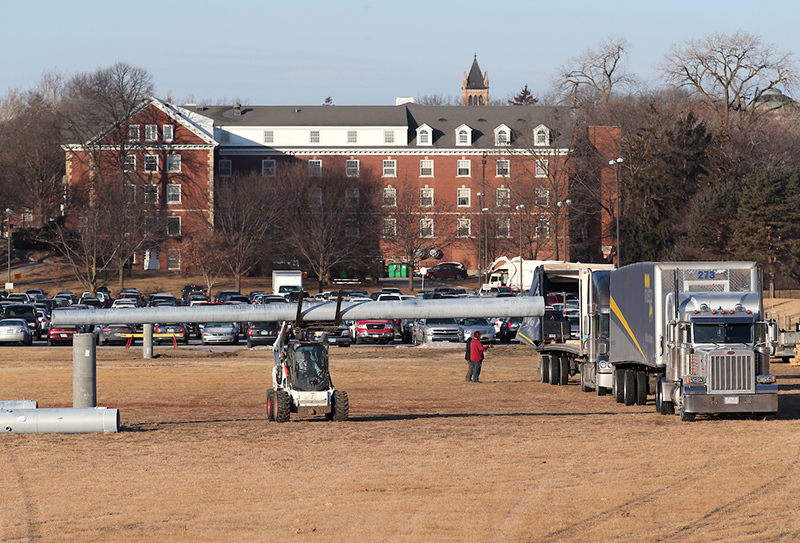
(475, 77)
(306, 115)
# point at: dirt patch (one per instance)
(426, 456)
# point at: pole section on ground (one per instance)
(84, 371)
(147, 341)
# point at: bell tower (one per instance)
(475, 86)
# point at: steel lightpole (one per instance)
(519, 208)
(9, 211)
(480, 240)
(485, 241)
(615, 164)
(565, 204)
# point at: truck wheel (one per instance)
(281, 406)
(341, 405)
(564, 373)
(555, 370)
(629, 387)
(619, 385)
(544, 368)
(642, 386)
(687, 417)
(271, 405)
(249, 344)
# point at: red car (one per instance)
(61, 334)
(447, 270)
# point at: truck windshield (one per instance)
(723, 333)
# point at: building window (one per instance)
(463, 168)
(463, 137)
(351, 168)
(315, 168)
(268, 168)
(130, 163)
(313, 136)
(389, 197)
(426, 228)
(426, 168)
(389, 228)
(151, 132)
(351, 231)
(463, 197)
(503, 197)
(390, 168)
(173, 226)
(542, 197)
(133, 132)
(503, 228)
(173, 259)
(169, 132)
(388, 136)
(541, 167)
(351, 197)
(173, 193)
(426, 197)
(315, 197)
(174, 163)
(542, 136)
(463, 228)
(224, 136)
(269, 136)
(424, 137)
(542, 228)
(501, 138)
(225, 168)
(503, 168)
(352, 136)
(151, 164)
(150, 194)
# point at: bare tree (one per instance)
(437, 99)
(204, 251)
(247, 208)
(594, 74)
(331, 221)
(730, 74)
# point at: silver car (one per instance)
(430, 330)
(482, 325)
(219, 332)
(15, 331)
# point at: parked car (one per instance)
(223, 295)
(61, 334)
(15, 331)
(180, 331)
(340, 336)
(375, 331)
(219, 332)
(24, 311)
(43, 320)
(262, 333)
(113, 333)
(482, 325)
(507, 328)
(430, 330)
(446, 270)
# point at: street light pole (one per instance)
(519, 208)
(480, 240)
(615, 163)
(486, 244)
(9, 211)
(565, 204)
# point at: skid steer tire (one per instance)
(270, 405)
(281, 406)
(341, 406)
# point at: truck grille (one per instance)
(731, 372)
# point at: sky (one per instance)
(355, 51)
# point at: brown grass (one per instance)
(425, 456)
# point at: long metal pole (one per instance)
(616, 177)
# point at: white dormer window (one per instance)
(502, 136)
(424, 135)
(463, 135)
(541, 135)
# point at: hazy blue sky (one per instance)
(358, 52)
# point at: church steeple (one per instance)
(475, 86)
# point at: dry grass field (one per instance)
(425, 456)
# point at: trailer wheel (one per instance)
(555, 370)
(281, 406)
(584, 385)
(629, 387)
(270, 405)
(619, 385)
(544, 368)
(341, 405)
(564, 373)
(642, 386)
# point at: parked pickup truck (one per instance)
(555, 327)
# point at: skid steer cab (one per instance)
(301, 380)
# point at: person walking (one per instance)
(476, 356)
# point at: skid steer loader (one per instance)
(301, 380)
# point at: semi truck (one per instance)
(286, 281)
(696, 330)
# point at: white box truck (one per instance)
(286, 281)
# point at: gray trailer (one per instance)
(588, 283)
(693, 332)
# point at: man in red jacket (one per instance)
(476, 355)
